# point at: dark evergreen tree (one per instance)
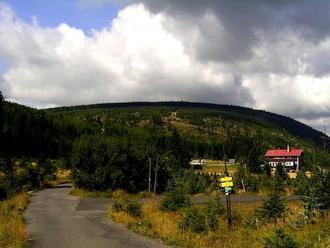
(280, 240)
(273, 208)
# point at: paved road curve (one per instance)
(56, 219)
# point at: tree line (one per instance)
(108, 149)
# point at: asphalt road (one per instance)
(57, 220)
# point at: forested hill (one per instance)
(236, 113)
(109, 146)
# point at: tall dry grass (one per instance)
(164, 226)
(12, 228)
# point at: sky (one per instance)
(264, 54)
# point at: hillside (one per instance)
(109, 146)
(235, 113)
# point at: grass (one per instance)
(61, 176)
(116, 194)
(90, 194)
(161, 225)
(12, 228)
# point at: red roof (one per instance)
(284, 153)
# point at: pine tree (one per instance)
(273, 208)
(280, 240)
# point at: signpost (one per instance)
(227, 184)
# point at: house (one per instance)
(197, 163)
(292, 159)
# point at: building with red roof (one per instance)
(292, 159)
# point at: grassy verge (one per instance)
(161, 225)
(116, 194)
(61, 176)
(12, 228)
(90, 194)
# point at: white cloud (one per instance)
(134, 59)
(146, 55)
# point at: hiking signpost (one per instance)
(227, 184)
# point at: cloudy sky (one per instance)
(265, 54)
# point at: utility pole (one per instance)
(325, 137)
(149, 179)
(155, 182)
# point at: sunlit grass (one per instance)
(12, 228)
(61, 176)
(164, 226)
(90, 194)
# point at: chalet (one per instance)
(292, 159)
(197, 163)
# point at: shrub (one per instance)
(133, 208)
(196, 183)
(253, 221)
(175, 200)
(3, 191)
(273, 208)
(212, 212)
(280, 240)
(118, 206)
(202, 220)
(130, 206)
(193, 220)
(252, 184)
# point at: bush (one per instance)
(202, 220)
(253, 221)
(252, 183)
(130, 206)
(212, 212)
(193, 220)
(273, 208)
(280, 240)
(196, 183)
(3, 191)
(175, 200)
(133, 208)
(118, 206)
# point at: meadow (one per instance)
(245, 232)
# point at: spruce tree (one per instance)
(273, 208)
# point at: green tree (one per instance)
(175, 199)
(280, 240)
(316, 195)
(273, 208)
(280, 171)
(253, 162)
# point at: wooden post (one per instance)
(229, 214)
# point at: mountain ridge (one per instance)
(289, 124)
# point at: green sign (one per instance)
(228, 189)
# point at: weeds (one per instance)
(12, 229)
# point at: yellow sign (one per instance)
(226, 179)
(227, 184)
